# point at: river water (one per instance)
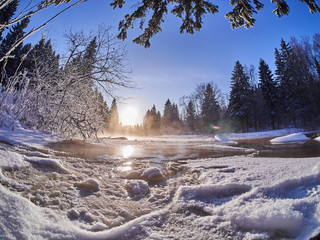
(124, 154)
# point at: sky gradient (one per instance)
(175, 63)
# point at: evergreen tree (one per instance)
(268, 88)
(11, 65)
(114, 116)
(191, 116)
(167, 113)
(170, 117)
(42, 61)
(152, 121)
(240, 96)
(6, 14)
(290, 74)
(209, 108)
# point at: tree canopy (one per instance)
(191, 13)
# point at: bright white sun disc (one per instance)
(129, 115)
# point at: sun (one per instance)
(129, 115)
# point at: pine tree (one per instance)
(191, 116)
(42, 61)
(268, 88)
(240, 96)
(114, 116)
(209, 108)
(6, 14)
(152, 121)
(167, 114)
(11, 66)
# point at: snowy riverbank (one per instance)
(49, 195)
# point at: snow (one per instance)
(152, 175)
(51, 163)
(137, 187)
(219, 138)
(318, 139)
(264, 134)
(89, 184)
(294, 137)
(240, 197)
(26, 137)
(11, 160)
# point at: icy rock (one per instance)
(152, 175)
(89, 184)
(137, 187)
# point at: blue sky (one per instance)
(175, 63)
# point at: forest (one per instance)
(260, 100)
(65, 94)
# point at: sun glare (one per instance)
(129, 115)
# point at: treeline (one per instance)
(289, 97)
(61, 94)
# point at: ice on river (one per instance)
(242, 197)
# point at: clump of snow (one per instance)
(51, 163)
(137, 187)
(90, 184)
(317, 138)
(152, 175)
(294, 137)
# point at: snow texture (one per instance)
(228, 198)
(90, 184)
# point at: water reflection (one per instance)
(127, 151)
(127, 166)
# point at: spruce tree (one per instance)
(268, 88)
(240, 96)
(209, 108)
(11, 65)
(191, 116)
(6, 14)
(114, 116)
(167, 114)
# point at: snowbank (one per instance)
(26, 137)
(264, 134)
(11, 160)
(294, 137)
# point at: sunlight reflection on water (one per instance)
(127, 151)
(127, 166)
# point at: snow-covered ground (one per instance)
(45, 194)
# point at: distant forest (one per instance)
(289, 97)
(63, 94)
